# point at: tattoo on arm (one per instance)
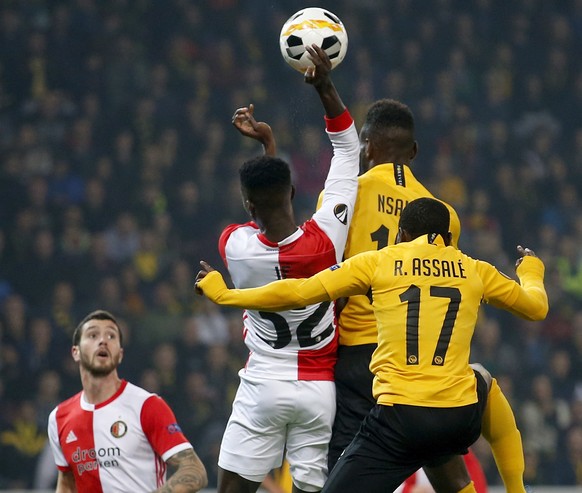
(189, 476)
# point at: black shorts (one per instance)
(395, 441)
(353, 382)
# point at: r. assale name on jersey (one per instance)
(434, 267)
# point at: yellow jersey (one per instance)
(426, 299)
(383, 191)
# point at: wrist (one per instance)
(338, 123)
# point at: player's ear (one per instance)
(403, 236)
(292, 191)
(399, 236)
(120, 355)
(448, 239)
(75, 353)
(246, 203)
(414, 150)
(368, 150)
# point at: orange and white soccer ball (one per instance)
(313, 25)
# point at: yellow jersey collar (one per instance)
(425, 240)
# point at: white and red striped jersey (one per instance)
(297, 344)
(119, 445)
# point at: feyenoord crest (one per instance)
(118, 429)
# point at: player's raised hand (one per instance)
(319, 73)
(523, 252)
(318, 77)
(244, 121)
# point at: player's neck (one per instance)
(392, 160)
(98, 389)
(277, 227)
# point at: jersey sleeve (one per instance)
(53, 435)
(287, 294)
(527, 300)
(349, 278)
(222, 241)
(341, 186)
(161, 429)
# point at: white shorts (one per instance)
(271, 416)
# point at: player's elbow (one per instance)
(540, 312)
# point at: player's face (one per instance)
(99, 350)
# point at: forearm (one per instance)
(190, 477)
(330, 99)
(66, 483)
(531, 302)
(270, 147)
(280, 295)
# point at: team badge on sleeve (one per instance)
(341, 212)
(174, 428)
(335, 267)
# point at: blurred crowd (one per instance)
(118, 170)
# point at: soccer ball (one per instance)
(313, 25)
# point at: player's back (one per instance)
(426, 298)
(293, 344)
(383, 192)
(297, 344)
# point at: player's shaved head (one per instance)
(266, 181)
(391, 122)
(425, 216)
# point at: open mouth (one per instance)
(103, 354)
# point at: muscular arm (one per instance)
(66, 482)
(530, 300)
(277, 296)
(346, 279)
(189, 476)
(319, 78)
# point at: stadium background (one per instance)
(118, 170)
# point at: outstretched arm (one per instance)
(190, 475)
(528, 299)
(285, 294)
(318, 76)
(244, 121)
(346, 279)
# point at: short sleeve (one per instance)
(161, 428)
(53, 435)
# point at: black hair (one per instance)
(266, 180)
(425, 216)
(390, 125)
(95, 315)
(386, 113)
